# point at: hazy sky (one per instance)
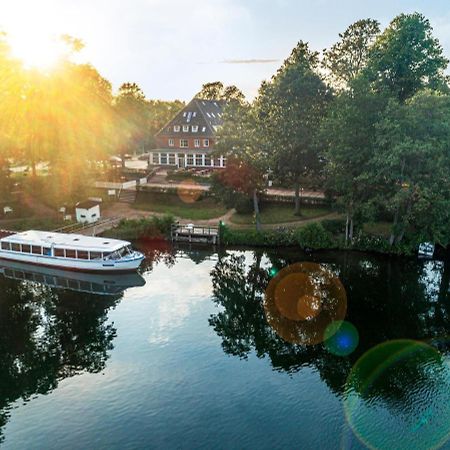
(171, 47)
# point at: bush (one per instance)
(134, 229)
(334, 226)
(281, 237)
(313, 236)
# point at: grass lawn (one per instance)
(202, 209)
(280, 213)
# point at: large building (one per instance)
(188, 140)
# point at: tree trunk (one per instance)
(297, 198)
(350, 234)
(346, 229)
(33, 168)
(256, 209)
(394, 226)
(408, 212)
(397, 210)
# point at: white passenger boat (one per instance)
(70, 251)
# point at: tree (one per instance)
(345, 59)
(348, 134)
(406, 58)
(290, 108)
(412, 162)
(217, 91)
(240, 140)
(132, 118)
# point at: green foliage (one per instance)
(217, 91)
(334, 226)
(313, 236)
(134, 229)
(282, 237)
(407, 58)
(347, 58)
(290, 108)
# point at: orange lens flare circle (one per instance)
(189, 191)
(302, 300)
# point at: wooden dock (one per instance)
(195, 234)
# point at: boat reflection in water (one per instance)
(92, 283)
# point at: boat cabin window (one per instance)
(6, 246)
(26, 248)
(36, 250)
(47, 251)
(71, 253)
(15, 247)
(96, 255)
(59, 252)
(106, 255)
(82, 254)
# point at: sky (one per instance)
(171, 47)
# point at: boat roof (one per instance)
(75, 241)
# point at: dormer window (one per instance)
(194, 128)
(203, 129)
(176, 128)
(185, 128)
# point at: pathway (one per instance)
(126, 211)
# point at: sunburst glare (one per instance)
(37, 51)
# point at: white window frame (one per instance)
(182, 141)
(171, 142)
(199, 160)
(176, 128)
(185, 128)
(194, 128)
(197, 143)
(205, 142)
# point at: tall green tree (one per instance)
(290, 109)
(218, 91)
(349, 135)
(132, 119)
(412, 161)
(240, 141)
(345, 60)
(406, 58)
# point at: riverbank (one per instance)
(325, 235)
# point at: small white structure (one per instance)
(87, 211)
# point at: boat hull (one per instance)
(78, 265)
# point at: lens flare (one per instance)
(189, 191)
(341, 338)
(398, 396)
(302, 300)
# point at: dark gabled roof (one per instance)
(206, 114)
(87, 204)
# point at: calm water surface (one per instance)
(195, 357)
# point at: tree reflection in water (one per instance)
(387, 299)
(47, 335)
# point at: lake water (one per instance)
(243, 349)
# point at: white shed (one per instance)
(87, 211)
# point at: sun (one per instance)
(36, 51)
